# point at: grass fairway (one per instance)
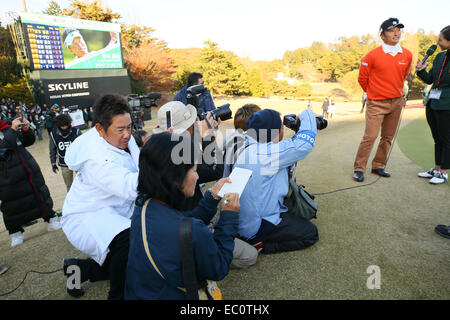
(388, 224)
(417, 144)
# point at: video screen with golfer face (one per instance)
(58, 43)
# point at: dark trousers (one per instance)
(114, 267)
(439, 122)
(20, 228)
(292, 233)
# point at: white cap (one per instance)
(182, 117)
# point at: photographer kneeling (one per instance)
(156, 269)
(183, 120)
(263, 220)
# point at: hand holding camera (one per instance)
(20, 123)
(293, 122)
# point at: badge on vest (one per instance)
(435, 94)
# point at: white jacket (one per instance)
(101, 199)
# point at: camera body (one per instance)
(293, 123)
(147, 100)
(192, 94)
(223, 113)
(136, 103)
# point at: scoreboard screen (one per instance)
(46, 47)
(64, 43)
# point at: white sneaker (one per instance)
(439, 178)
(429, 174)
(54, 224)
(16, 239)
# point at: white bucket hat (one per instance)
(182, 117)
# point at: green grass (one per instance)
(389, 224)
(417, 144)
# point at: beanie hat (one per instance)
(263, 121)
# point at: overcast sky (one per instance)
(263, 29)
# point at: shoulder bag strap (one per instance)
(145, 242)
(187, 259)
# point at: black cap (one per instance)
(390, 24)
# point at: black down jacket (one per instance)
(24, 195)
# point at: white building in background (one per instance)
(281, 77)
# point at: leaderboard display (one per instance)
(46, 47)
(64, 43)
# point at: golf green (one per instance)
(416, 143)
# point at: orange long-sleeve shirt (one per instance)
(382, 75)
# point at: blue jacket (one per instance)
(264, 193)
(213, 251)
(205, 99)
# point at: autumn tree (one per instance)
(53, 9)
(90, 11)
(222, 71)
(151, 66)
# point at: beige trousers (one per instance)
(67, 176)
(384, 115)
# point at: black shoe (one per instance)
(443, 231)
(76, 293)
(358, 176)
(381, 172)
(68, 262)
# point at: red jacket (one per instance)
(382, 75)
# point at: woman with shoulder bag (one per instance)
(156, 265)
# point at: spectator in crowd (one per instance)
(90, 116)
(98, 207)
(154, 236)
(184, 122)
(382, 74)
(211, 167)
(425, 94)
(331, 109)
(234, 143)
(406, 90)
(205, 99)
(24, 195)
(61, 137)
(49, 116)
(141, 137)
(438, 108)
(325, 106)
(38, 125)
(263, 220)
(364, 100)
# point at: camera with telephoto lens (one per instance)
(147, 100)
(136, 103)
(293, 123)
(223, 112)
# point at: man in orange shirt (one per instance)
(381, 75)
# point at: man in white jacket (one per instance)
(97, 209)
